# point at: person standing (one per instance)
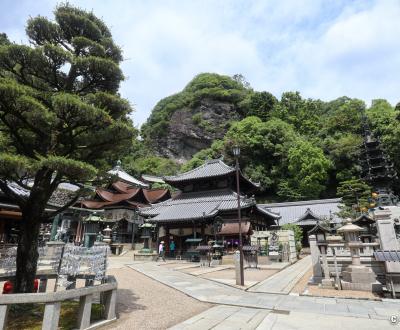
(161, 251)
(172, 249)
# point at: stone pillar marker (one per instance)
(237, 267)
(315, 256)
(326, 282)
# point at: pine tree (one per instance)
(60, 116)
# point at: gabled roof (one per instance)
(309, 217)
(317, 228)
(122, 175)
(305, 212)
(363, 219)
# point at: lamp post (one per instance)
(236, 153)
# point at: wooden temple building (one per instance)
(208, 195)
(120, 201)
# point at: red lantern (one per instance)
(7, 287)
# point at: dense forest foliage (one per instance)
(296, 148)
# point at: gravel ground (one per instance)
(143, 303)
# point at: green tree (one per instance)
(264, 147)
(344, 152)
(152, 165)
(381, 115)
(61, 114)
(355, 195)
(298, 234)
(260, 104)
(307, 169)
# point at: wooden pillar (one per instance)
(203, 231)
(167, 239)
(2, 233)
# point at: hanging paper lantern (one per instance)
(372, 205)
(374, 195)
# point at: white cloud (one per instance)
(323, 49)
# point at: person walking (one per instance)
(172, 249)
(161, 251)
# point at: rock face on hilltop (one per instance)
(191, 130)
(185, 123)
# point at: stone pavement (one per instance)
(235, 318)
(284, 281)
(315, 307)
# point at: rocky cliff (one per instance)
(191, 130)
(187, 122)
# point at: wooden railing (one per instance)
(53, 301)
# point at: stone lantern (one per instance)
(356, 276)
(146, 235)
(107, 236)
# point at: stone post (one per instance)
(237, 267)
(315, 259)
(327, 282)
(51, 316)
(3, 316)
(85, 309)
(110, 300)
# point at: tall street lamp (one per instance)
(236, 153)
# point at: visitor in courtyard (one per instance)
(172, 249)
(161, 251)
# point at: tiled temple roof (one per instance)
(210, 169)
(122, 175)
(197, 205)
(305, 212)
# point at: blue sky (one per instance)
(323, 48)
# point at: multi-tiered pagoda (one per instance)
(208, 195)
(377, 169)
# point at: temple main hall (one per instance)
(208, 196)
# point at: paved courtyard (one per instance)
(160, 296)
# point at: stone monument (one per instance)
(357, 276)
